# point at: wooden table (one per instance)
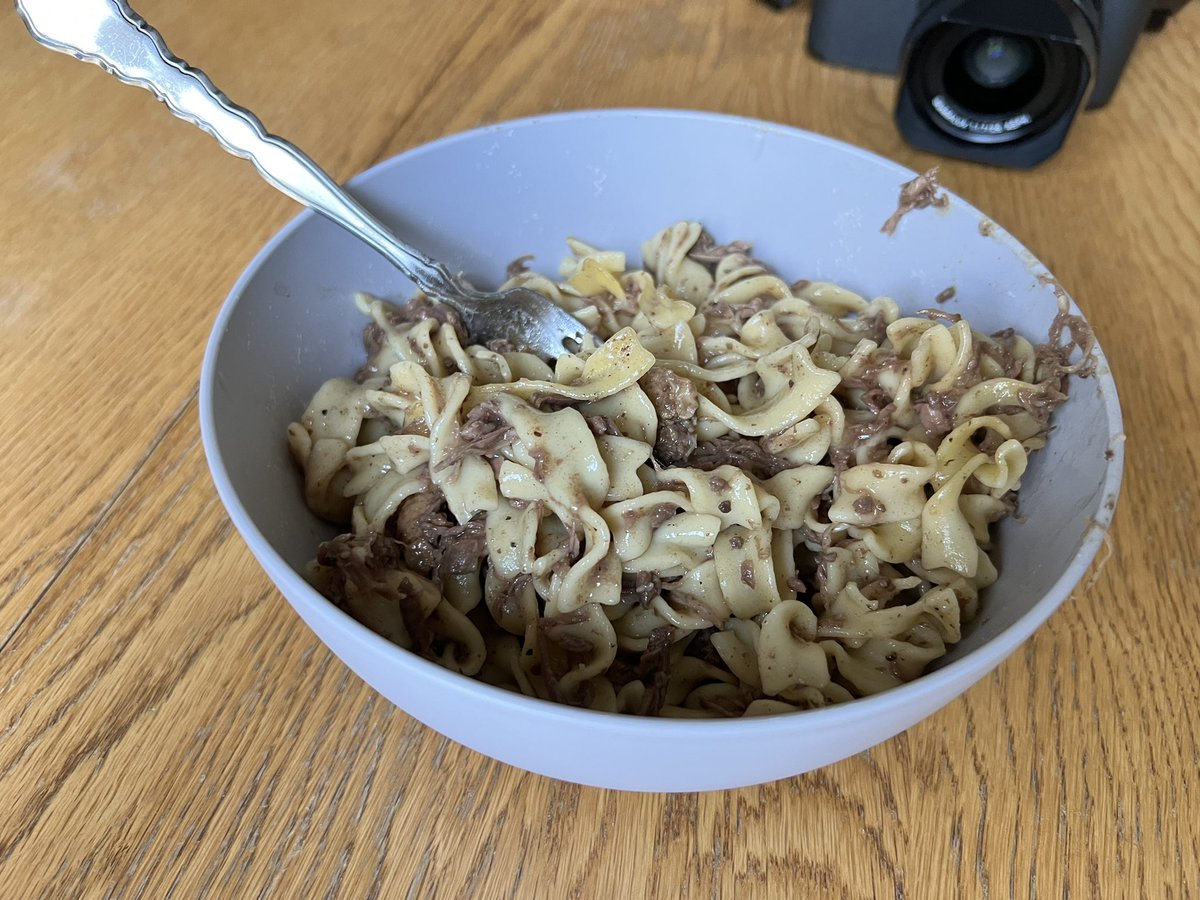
(168, 725)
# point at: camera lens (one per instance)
(984, 86)
(994, 74)
(997, 60)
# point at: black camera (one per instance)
(995, 81)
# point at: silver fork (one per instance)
(114, 37)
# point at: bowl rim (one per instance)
(948, 679)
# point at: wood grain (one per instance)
(167, 725)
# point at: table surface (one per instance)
(167, 724)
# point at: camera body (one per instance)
(995, 81)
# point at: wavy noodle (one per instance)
(748, 498)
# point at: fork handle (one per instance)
(111, 35)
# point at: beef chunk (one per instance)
(434, 543)
(841, 455)
(640, 587)
(936, 410)
(518, 266)
(420, 308)
(603, 425)
(744, 453)
(707, 250)
(544, 402)
(360, 564)
(483, 432)
(676, 401)
(737, 314)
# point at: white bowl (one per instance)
(811, 206)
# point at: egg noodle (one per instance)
(751, 497)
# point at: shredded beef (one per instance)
(646, 586)
(1081, 338)
(435, 544)
(872, 327)
(701, 648)
(936, 411)
(505, 601)
(841, 455)
(575, 617)
(505, 345)
(744, 453)
(876, 400)
(729, 707)
(880, 423)
(540, 458)
(364, 556)
(622, 670)
(517, 266)
(920, 193)
(871, 393)
(707, 250)
(574, 546)
(640, 587)
(879, 591)
(463, 547)
(1041, 400)
(737, 314)
(868, 506)
(676, 441)
(693, 605)
(1054, 357)
(420, 517)
(420, 308)
(818, 509)
(673, 396)
(824, 557)
(662, 513)
(544, 402)
(1002, 350)
(940, 315)
(560, 651)
(988, 442)
(655, 669)
(483, 432)
(483, 424)
(373, 339)
(633, 294)
(747, 572)
(797, 584)
(602, 425)
(359, 565)
(676, 401)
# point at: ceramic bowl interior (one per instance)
(813, 208)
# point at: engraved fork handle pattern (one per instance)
(113, 36)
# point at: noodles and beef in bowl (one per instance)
(753, 495)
